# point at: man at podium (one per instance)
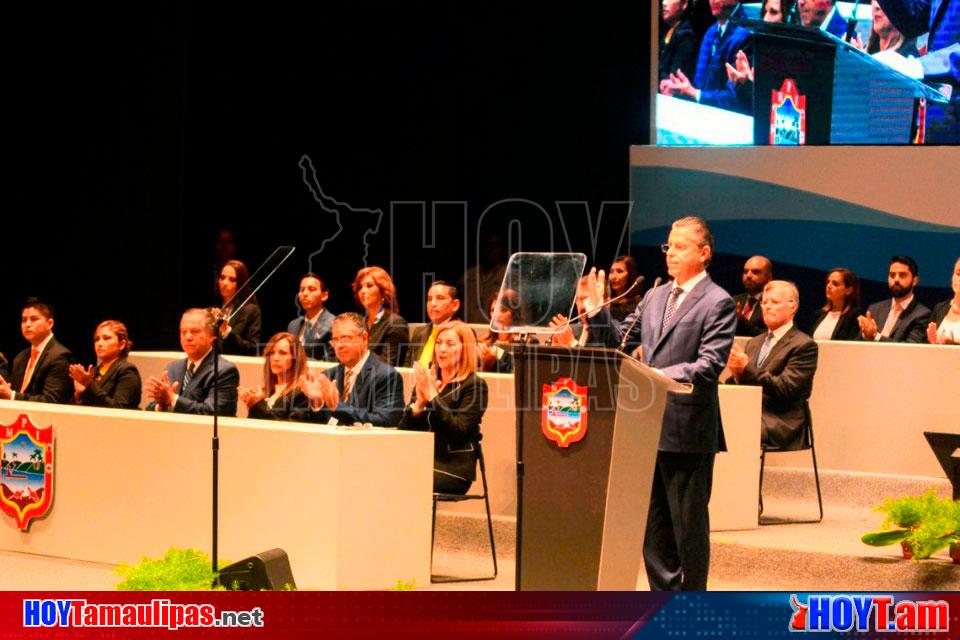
(685, 329)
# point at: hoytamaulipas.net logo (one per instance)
(876, 613)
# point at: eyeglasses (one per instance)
(666, 247)
(344, 339)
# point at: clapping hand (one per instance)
(320, 389)
(6, 392)
(425, 385)
(161, 391)
(868, 326)
(596, 287)
(677, 84)
(737, 361)
(742, 72)
(250, 397)
(81, 377)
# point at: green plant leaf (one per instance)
(884, 538)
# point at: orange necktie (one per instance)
(34, 354)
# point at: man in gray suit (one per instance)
(686, 331)
(187, 386)
(783, 361)
(902, 318)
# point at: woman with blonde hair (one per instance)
(284, 361)
(389, 334)
(114, 382)
(449, 400)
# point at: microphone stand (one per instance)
(637, 315)
(244, 294)
(851, 23)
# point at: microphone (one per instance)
(637, 315)
(636, 283)
(851, 23)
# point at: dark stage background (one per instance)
(137, 131)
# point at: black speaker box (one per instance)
(268, 571)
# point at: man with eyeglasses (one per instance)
(360, 389)
(685, 329)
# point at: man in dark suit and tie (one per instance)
(313, 327)
(903, 318)
(783, 361)
(187, 385)
(42, 372)
(686, 331)
(720, 45)
(442, 306)
(361, 389)
(757, 272)
(822, 14)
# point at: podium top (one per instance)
(815, 35)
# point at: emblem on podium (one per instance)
(26, 478)
(563, 418)
(788, 115)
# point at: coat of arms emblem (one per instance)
(788, 115)
(563, 418)
(26, 478)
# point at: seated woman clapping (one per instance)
(113, 382)
(284, 361)
(449, 399)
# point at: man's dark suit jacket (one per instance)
(118, 388)
(693, 348)
(417, 341)
(51, 381)
(752, 326)
(317, 342)
(848, 328)
(197, 397)
(454, 417)
(787, 380)
(244, 336)
(911, 326)
(389, 337)
(376, 398)
(292, 406)
(715, 89)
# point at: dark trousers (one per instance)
(676, 547)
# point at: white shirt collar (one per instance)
(43, 345)
(781, 331)
(903, 303)
(196, 363)
(357, 368)
(692, 282)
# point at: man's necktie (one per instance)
(671, 306)
(34, 354)
(188, 376)
(892, 318)
(747, 310)
(765, 349)
(426, 356)
(347, 384)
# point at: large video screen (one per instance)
(810, 72)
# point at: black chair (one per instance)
(807, 444)
(451, 497)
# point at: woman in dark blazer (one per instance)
(114, 382)
(284, 361)
(678, 42)
(450, 400)
(241, 336)
(944, 327)
(622, 275)
(389, 334)
(837, 320)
